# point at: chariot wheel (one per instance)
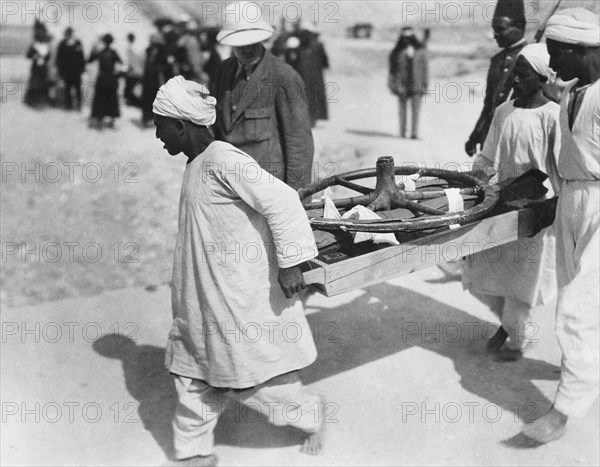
(389, 197)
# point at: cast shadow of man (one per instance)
(147, 381)
(367, 330)
(347, 337)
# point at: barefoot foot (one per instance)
(196, 461)
(547, 428)
(313, 443)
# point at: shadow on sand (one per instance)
(371, 133)
(357, 333)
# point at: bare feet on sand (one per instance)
(551, 426)
(313, 444)
(196, 461)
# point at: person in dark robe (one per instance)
(106, 97)
(156, 70)
(39, 53)
(211, 57)
(509, 30)
(70, 63)
(306, 54)
(409, 77)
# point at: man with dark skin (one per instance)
(509, 32)
(573, 42)
(523, 135)
(228, 202)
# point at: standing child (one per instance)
(517, 278)
(237, 332)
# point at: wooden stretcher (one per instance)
(333, 273)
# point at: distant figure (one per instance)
(284, 32)
(106, 98)
(509, 29)
(210, 56)
(39, 54)
(133, 74)
(306, 54)
(409, 77)
(156, 70)
(170, 37)
(189, 58)
(70, 62)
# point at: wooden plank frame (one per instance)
(424, 251)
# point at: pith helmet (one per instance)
(244, 25)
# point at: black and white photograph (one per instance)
(300, 233)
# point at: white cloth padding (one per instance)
(367, 214)
(455, 203)
(411, 182)
(329, 210)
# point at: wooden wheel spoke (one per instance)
(354, 186)
(346, 203)
(416, 207)
(433, 194)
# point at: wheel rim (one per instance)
(389, 195)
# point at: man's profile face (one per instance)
(168, 132)
(527, 81)
(505, 32)
(248, 54)
(564, 59)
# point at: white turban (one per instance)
(185, 100)
(538, 57)
(574, 26)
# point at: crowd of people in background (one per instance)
(176, 47)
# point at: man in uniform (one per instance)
(262, 107)
(509, 28)
(573, 40)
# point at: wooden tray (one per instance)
(340, 272)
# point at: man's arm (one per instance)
(280, 205)
(485, 119)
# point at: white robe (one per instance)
(519, 140)
(578, 256)
(232, 325)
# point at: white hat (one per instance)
(574, 26)
(244, 25)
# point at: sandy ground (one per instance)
(400, 363)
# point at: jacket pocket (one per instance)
(257, 124)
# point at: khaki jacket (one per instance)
(267, 117)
